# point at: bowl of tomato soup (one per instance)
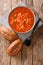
(21, 19)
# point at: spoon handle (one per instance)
(35, 27)
(27, 42)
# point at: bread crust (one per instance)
(15, 47)
(8, 34)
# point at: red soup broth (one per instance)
(21, 19)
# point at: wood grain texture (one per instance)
(29, 3)
(0, 8)
(28, 55)
(38, 6)
(38, 53)
(15, 2)
(5, 6)
(16, 60)
(4, 58)
(38, 46)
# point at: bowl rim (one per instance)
(30, 28)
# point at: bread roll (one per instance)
(15, 47)
(8, 34)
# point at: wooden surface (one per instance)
(28, 55)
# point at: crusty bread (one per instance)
(15, 47)
(8, 34)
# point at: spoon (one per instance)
(27, 42)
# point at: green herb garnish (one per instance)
(15, 16)
(15, 22)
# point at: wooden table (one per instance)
(28, 55)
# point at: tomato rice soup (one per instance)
(21, 19)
